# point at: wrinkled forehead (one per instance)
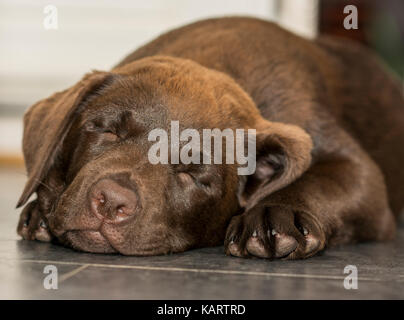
(148, 105)
(121, 101)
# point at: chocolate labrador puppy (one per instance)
(329, 124)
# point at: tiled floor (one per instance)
(198, 274)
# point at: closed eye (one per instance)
(106, 134)
(190, 177)
(110, 136)
(186, 178)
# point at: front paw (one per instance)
(274, 232)
(32, 225)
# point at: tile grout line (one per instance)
(72, 273)
(252, 273)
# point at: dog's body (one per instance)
(330, 139)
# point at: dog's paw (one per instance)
(32, 225)
(273, 232)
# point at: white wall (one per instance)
(35, 62)
(96, 34)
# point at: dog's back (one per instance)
(302, 82)
(371, 109)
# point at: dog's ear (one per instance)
(283, 153)
(46, 124)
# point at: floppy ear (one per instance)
(283, 153)
(46, 124)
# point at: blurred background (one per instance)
(39, 56)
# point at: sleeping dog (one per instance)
(329, 137)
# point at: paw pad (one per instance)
(277, 233)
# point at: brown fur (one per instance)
(330, 131)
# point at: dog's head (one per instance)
(87, 155)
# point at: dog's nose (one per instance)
(111, 201)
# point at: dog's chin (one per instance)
(88, 241)
(94, 241)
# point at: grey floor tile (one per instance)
(11, 184)
(137, 284)
(22, 280)
(25, 281)
(199, 274)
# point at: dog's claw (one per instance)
(32, 226)
(286, 238)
